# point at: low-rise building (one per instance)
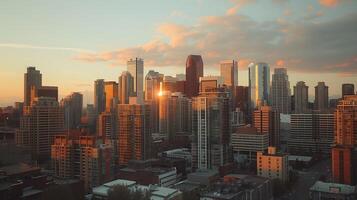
(334, 191)
(273, 165)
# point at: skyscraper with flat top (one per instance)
(280, 91)
(111, 95)
(348, 89)
(211, 128)
(321, 96)
(259, 84)
(33, 78)
(126, 87)
(194, 70)
(301, 97)
(229, 72)
(267, 121)
(72, 106)
(344, 153)
(136, 69)
(133, 131)
(99, 96)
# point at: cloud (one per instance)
(329, 3)
(301, 46)
(28, 46)
(237, 4)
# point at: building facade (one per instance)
(259, 84)
(136, 69)
(280, 91)
(125, 87)
(273, 165)
(301, 97)
(33, 78)
(194, 70)
(321, 97)
(267, 121)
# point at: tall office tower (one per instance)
(210, 83)
(211, 128)
(32, 78)
(267, 121)
(111, 95)
(136, 69)
(229, 72)
(44, 91)
(348, 89)
(311, 133)
(134, 131)
(72, 106)
(273, 165)
(126, 87)
(174, 115)
(83, 157)
(344, 152)
(40, 123)
(301, 97)
(242, 100)
(152, 84)
(99, 96)
(259, 84)
(194, 70)
(280, 91)
(169, 83)
(321, 96)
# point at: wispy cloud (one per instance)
(29, 46)
(329, 3)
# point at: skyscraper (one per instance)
(194, 70)
(133, 132)
(111, 95)
(32, 78)
(72, 106)
(301, 96)
(211, 129)
(136, 69)
(99, 96)
(210, 83)
(321, 96)
(229, 72)
(348, 89)
(40, 123)
(242, 100)
(344, 152)
(152, 84)
(126, 87)
(280, 91)
(259, 83)
(267, 121)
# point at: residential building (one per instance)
(111, 95)
(99, 96)
(348, 89)
(126, 87)
(211, 130)
(301, 97)
(210, 83)
(311, 133)
(32, 78)
(321, 97)
(72, 106)
(273, 165)
(267, 121)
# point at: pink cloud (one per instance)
(329, 3)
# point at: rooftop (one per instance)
(333, 188)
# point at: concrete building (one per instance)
(152, 85)
(348, 89)
(136, 69)
(156, 192)
(134, 132)
(32, 78)
(125, 87)
(240, 187)
(194, 70)
(39, 124)
(259, 84)
(72, 106)
(44, 91)
(211, 130)
(311, 133)
(322, 190)
(111, 95)
(210, 83)
(273, 165)
(246, 142)
(280, 91)
(301, 97)
(229, 72)
(83, 157)
(321, 96)
(99, 96)
(267, 121)
(344, 152)
(242, 101)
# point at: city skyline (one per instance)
(72, 45)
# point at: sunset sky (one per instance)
(75, 42)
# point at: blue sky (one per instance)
(75, 42)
